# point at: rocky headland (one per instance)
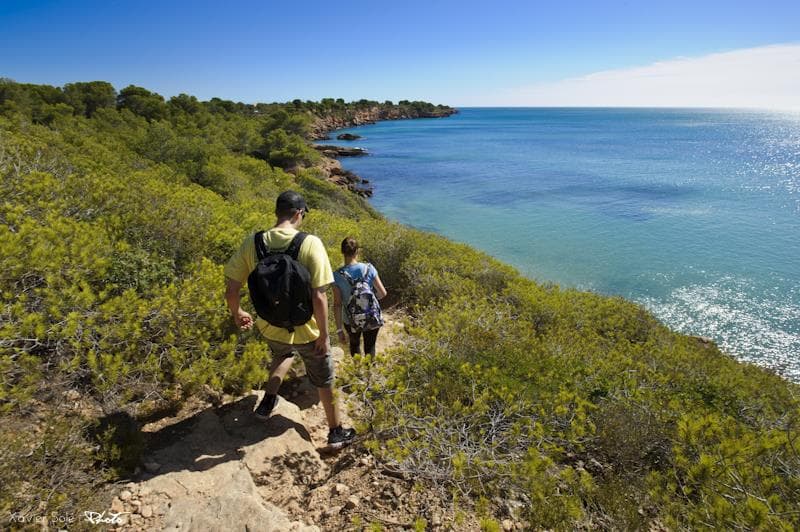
(370, 115)
(330, 164)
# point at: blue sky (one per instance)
(459, 53)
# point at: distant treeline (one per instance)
(45, 102)
(275, 132)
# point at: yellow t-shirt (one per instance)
(312, 255)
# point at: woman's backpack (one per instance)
(363, 309)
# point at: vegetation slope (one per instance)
(566, 408)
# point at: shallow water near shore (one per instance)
(693, 213)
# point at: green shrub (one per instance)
(288, 150)
(48, 469)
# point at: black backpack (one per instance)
(280, 287)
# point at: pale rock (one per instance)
(293, 508)
(208, 473)
(333, 510)
(125, 495)
(340, 489)
(72, 395)
(147, 511)
(508, 524)
(514, 507)
(352, 502)
(117, 506)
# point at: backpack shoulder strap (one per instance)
(294, 247)
(261, 247)
(365, 269)
(347, 276)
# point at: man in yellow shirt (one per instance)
(310, 340)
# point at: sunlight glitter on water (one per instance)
(763, 329)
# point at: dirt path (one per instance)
(219, 468)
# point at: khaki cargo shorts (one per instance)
(319, 369)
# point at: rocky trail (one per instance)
(221, 468)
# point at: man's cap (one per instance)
(290, 200)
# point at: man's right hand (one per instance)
(243, 320)
(322, 346)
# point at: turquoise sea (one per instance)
(695, 214)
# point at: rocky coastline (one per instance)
(330, 164)
(322, 126)
(329, 150)
(347, 136)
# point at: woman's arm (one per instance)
(380, 290)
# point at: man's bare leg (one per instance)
(331, 412)
(277, 371)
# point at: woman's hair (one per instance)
(349, 246)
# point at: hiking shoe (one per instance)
(339, 437)
(265, 407)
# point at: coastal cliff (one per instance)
(375, 113)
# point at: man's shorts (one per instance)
(319, 369)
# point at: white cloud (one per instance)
(763, 77)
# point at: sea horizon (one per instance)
(632, 107)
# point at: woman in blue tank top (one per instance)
(344, 277)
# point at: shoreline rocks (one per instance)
(330, 165)
(330, 150)
(351, 181)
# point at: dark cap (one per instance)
(290, 200)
